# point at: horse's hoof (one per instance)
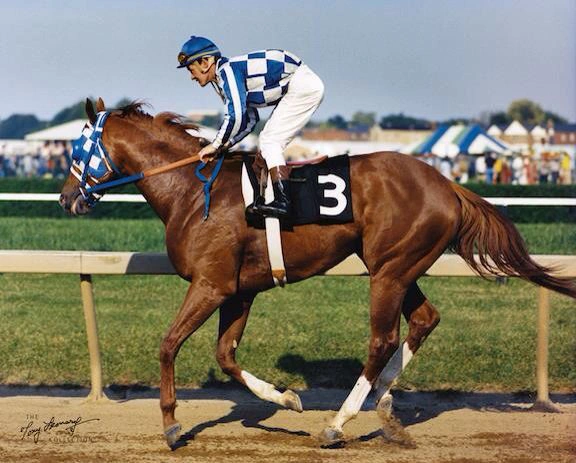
(292, 401)
(384, 407)
(394, 433)
(330, 436)
(172, 434)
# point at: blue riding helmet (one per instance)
(196, 47)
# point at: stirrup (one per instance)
(254, 208)
(274, 209)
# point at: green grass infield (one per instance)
(148, 235)
(311, 334)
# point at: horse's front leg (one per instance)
(233, 315)
(201, 301)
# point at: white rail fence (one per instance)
(87, 263)
(135, 198)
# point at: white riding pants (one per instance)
(292, 113)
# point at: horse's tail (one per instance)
(501, 249)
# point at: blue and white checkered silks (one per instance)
(90, 160)
(248, 82)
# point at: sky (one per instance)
(434, 59)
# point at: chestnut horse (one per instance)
(405, 216)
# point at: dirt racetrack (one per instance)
(225, 424)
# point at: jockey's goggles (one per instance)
(185, 60)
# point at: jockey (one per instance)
(262, 78)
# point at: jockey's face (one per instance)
(203, 70)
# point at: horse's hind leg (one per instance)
(201, 301)
(233, 315)
(386, 295)
(422, 318)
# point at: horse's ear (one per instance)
(90, 111)
(100, 106)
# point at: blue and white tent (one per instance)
(451, 140)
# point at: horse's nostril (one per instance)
(65, 202)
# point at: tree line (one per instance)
(524, 110)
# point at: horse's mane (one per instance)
(165, 125)
(168, 127)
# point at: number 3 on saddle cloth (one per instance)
(320, 193)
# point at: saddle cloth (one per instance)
(320, 192)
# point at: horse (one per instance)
(405, 216)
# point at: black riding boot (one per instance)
(280, 207)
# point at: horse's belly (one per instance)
(308, 250)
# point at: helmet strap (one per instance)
(209, 67)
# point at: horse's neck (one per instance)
(179, 193)
(172, 192)
(169, 192)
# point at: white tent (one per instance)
(63, 132)
(19, 147)
(452, 140)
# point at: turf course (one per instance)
(311, 334)
(148, 235)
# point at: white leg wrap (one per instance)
(262, 389)
(353, 403)
(392, 370)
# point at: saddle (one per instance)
(261, 169)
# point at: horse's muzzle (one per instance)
(74, 203)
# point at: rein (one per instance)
(144, 174)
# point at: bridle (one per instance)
(91, 163)
(96, 172)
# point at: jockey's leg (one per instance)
(201, 301)
(386, 296)
(304, 95)
(233, 315)
(422, 318)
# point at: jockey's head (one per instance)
(199, 55)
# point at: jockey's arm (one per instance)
(208, 152)
(251, 119)
(238, 117)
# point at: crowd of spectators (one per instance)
(548, 168)
(49, 160)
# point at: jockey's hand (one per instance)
(208, 153)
